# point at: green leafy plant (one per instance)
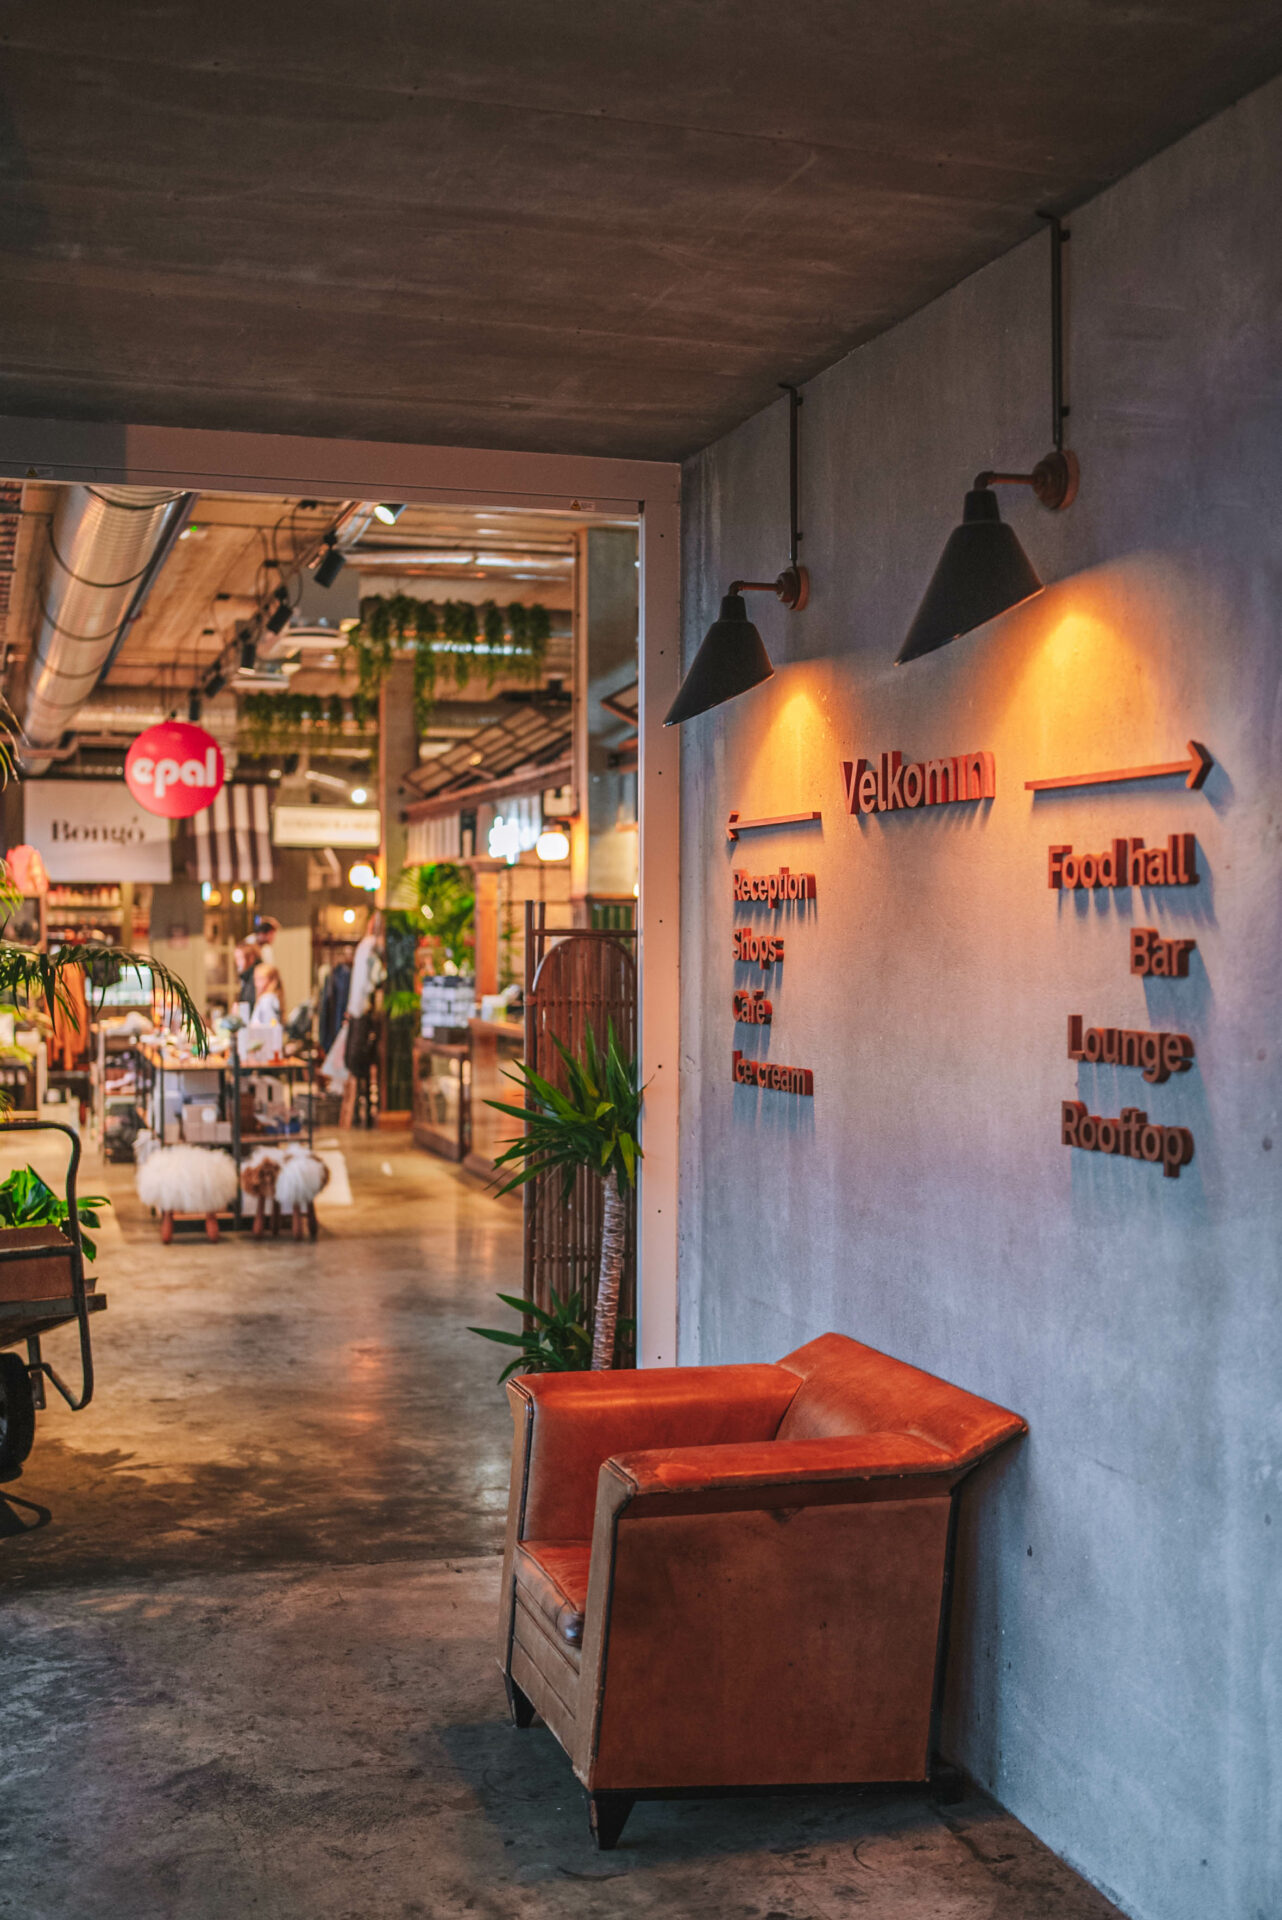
(557, 1342)
(593, 1124)
(455, 636)
(30, 977)
(440, 900)
(267, 719)
(28, 1201)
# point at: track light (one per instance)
(330, 564)
(279, 615)
(248, 650)
(193, 706)
(214, 683)
(983, 570)
(389, 511)
(733, 655)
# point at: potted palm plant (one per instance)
(593, 1124)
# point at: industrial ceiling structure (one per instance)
(525, 224)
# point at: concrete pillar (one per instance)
(397, 756)
(603, 860)
(177, 937)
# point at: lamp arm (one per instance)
(989, 479)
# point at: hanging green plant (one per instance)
(266, 719)
(454, 635)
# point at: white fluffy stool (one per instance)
(286, 1178)
(200, 1180)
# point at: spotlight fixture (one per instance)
(278, 618)
(193, 706)
(248, 649)
(214, 682)
(733, 656)
(330, 564)
(389, 511)
(983, 570)
(358, 796)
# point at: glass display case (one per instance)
(442, 1104)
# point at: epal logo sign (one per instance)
(174, 769)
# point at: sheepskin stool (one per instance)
(286, 1179)
(190, 1180)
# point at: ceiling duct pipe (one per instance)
(106, 546)
(129, 711)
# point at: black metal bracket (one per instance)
(793, 584)
(1059, 234)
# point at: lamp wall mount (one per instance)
(1054, 480)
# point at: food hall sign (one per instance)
(174, 769)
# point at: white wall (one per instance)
(1116, 1678)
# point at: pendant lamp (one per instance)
(983, 570)
(733, 655)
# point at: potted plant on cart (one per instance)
(592, 1124)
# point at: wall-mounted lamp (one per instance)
(983, 570)
(733, 656)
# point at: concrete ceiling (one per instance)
(606, 228)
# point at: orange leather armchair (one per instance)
(735, 1576)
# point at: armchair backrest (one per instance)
(847, 1388)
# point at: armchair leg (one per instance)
(520, 1706)
(607, 1816)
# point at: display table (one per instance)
(492, 1047)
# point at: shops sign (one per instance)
(174, 769)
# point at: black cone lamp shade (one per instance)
(732, 658)
(983, 571)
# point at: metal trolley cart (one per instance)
(42, 1286)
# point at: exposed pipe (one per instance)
(126, 711)
(105, 542)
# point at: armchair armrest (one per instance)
(567, 1424)
(775, 1472)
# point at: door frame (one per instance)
(207, 461)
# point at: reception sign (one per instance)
(95, 830)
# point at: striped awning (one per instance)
(233, 836)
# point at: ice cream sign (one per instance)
(174, 769)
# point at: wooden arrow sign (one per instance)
(1194, 767)
(735, 826)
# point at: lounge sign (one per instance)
(174, 769)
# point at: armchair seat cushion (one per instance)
(552, 1578)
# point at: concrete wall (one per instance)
(1116, 1677)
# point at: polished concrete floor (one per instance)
(249, 1601)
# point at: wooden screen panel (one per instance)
(574, 981)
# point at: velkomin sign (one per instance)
(94, 830)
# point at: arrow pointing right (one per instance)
(1196, 767)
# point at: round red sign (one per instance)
(174, 769)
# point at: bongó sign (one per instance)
(174, 769)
